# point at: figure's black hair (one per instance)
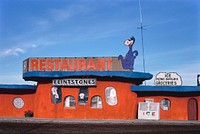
(132, 38)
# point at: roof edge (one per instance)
(18, 86)
(166, 88)
(62, 74)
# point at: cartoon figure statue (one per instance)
(128, 60)
(56, 95)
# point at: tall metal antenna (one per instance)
(142, 28)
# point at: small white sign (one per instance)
(168, 79)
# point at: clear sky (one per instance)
(95, 28)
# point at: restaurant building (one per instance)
(95, 88)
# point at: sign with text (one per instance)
(149, 110)
(168, 79)
(74, 82)
(73, 64)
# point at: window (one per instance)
(96, 102)
(70, 102)
(56, 95)
(111, 96)
(165, 104)
(83, 96)
(18, 102)
(153, 106)
(143, 106)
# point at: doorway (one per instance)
(192, 109)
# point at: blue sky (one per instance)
(95, 28)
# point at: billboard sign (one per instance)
(73, 64)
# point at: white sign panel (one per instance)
(168, 79)
(74, 82)
(149, 110)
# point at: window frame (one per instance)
(16, 100)
(98, 106)
(111, 96)
(70, 101)
(165, 104)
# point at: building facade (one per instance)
(95, 88)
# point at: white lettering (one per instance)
(74, 82)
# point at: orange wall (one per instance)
(125, 108)
(178, 109)
(7, 108)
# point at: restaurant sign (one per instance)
(74, 82)
(73, 64)
(168, 79)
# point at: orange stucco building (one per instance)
(94, 88)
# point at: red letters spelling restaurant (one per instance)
(97, 88)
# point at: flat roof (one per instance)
(34, 75)
(16, 86)
(166, 88)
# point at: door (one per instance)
(192, 109)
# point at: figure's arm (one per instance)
(135, 53)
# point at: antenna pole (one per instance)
(142, 28)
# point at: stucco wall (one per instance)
(7, 108)
(125, 108)
(178, 109)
